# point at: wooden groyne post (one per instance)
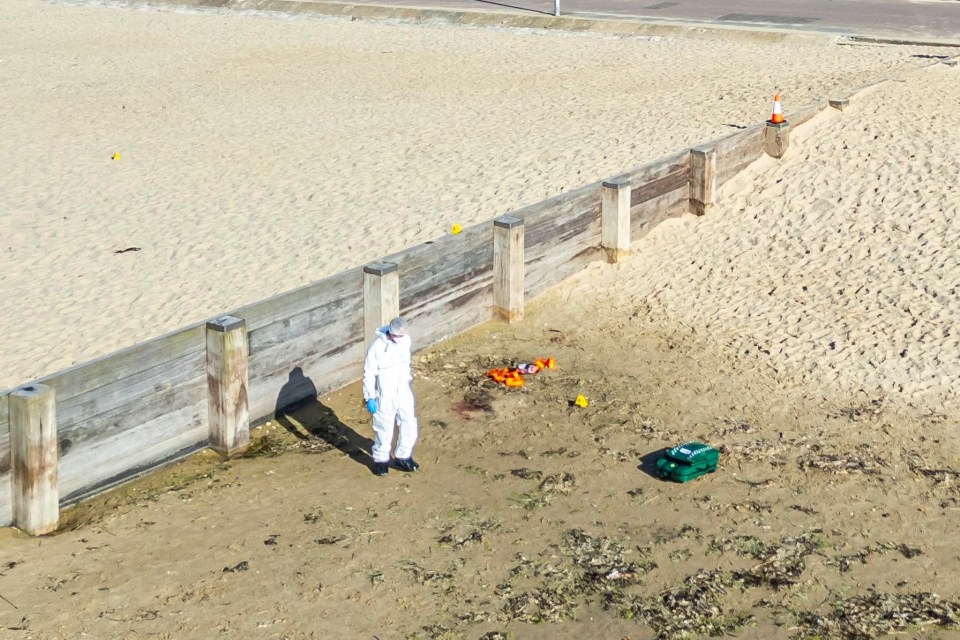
(227, 380)
(381, 296)
(615, 219)
(508, 290)
(34, 457)
(776, 138)
(703, 179)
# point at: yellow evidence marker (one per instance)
(581, 402)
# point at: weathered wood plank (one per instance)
(344, 285)
(128, 362)
(90, 468)
(153, 407)
(736, 151)
(646, 216)
(455, 311)
(90, 405)
(289, 372)
(572, 226)
(560, 247)
(657, 169)
(565, 261)
(655, 188)
(444, 263)
(327, 339)
(337, 312)
(561, 206)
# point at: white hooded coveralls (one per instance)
(387, 377)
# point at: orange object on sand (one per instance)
(777, 116)
(514, 377)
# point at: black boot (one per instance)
(380, 468)
(406, 464)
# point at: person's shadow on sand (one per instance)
(300, 412)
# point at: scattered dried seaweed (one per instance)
(474, 535)
(562, 451)
(846, 561)
(859, 412)
(732, 426)
(424, 576)
(563, 483)
(780, 565)
(861, 460)
(689, 610)
(868, 616)
(527, 474)
(754, 449)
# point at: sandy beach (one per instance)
(258, 153)
(804, 327)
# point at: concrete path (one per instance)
(937, 20)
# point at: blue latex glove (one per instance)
(372, 405)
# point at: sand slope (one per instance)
(836, 263)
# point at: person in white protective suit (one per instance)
(389, 397)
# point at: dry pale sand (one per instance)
(260, 153)
(837, 262)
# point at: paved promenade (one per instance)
(883, 18)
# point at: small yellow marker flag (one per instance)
(116, 156)
(581, 402)
(455, 229)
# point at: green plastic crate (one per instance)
(687, 461)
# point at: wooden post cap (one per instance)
(703, 149)
(838, 103)
(381, 268)
(226, 323)
(507, 222)
(31, 391)
(617, 183)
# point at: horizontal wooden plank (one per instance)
(446, 262)
(569, 260)
(6, 501)
(646, 216)
(101, 463)
(559, 207)
(133, 391)
(679, 177)
(132, 415)
(559, 247)
(117, 366)
(336, 318)
(657, 169)
(458, 309)
(325, 341)
(570, 225)
(272, 386)
(259, 315)
(736, 151)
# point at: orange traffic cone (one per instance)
(777, 116)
